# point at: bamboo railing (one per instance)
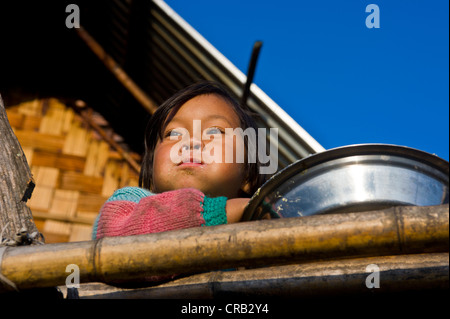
(410, 273)
(394, 231)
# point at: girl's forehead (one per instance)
(206, 107)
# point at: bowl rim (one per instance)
(338, 153)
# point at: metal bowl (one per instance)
(353, 178)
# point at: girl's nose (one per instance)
(193, 144)
(192, 151)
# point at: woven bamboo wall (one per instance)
(74, 168)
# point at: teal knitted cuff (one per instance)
(214, 211)
(94, 228)
(130, 193)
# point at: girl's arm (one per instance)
(235, 209)
(133, 211)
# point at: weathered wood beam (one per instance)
(16, 186)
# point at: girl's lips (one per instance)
(189, 164)
(191, 161)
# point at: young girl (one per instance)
(188, 192)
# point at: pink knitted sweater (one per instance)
(134, 211)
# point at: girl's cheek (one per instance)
(161, 156)
(235, 146)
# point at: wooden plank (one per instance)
(80, 233)
(67, 120)
(91, 158)
(77, 141)
(52, 122)
(133, 182)
(64, 203)
(86, 217)
(45, 176)
(15, 119)
(56, 231)
(29, 152)
(52, 238)
(41, 198)
(124, 173)
(57, 227)
(102, 159)
(96, 159)
(81, 182)
(31, 108)
(47, 142)
(128, 176)
(111, 178)
(91, 202)
(12, 108)
(117, 156)
(61, 161)
(39, 222)
(31, 123)
(40, 216)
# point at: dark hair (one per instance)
(167, 111)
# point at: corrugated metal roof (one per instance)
(156, 48)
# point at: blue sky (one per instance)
(341, 81)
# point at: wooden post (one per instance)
(16, 185)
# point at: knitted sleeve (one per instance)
(134, 211)
(131, 194)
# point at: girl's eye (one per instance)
(172, 133)
(213, 130)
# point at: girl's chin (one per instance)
(189, 182)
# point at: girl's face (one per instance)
(212, 177)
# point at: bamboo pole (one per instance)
(400, 273)
(118, 72)
(400, 230)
